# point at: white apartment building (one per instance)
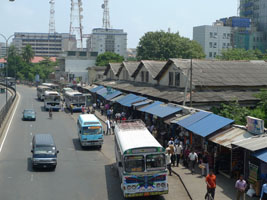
(45, 44)
(108, 40)
(213, 39)
(2, 49)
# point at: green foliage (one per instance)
(162, 45)
(108, 57)
(242, 54)
(20, 67)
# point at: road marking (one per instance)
(10, 121)
(31, 125)
(32, 177)
(30, 133)
(9, 177)
(30, 144)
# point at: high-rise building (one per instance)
(45, 44)
(2, 49)
(108, 40)
(213, 38)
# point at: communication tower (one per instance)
(106, 19)
(76, 21)
(52, 27)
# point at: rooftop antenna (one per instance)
(52, 27)
(238, 8)
(76, 21)
(106, 19)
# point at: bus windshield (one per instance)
(155, 162)
(52, 98)
(92, 130)
(134, 163)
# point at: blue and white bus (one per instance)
(51, 100)
(76, 99)
(90, 130)
(140, 160)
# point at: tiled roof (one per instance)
(38, 59)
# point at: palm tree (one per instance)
(27, 53)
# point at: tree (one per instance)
(242, 54)
(108, 57)
(162, 45)
(27, 53)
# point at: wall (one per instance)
(139, 79)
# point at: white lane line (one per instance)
(31, 125)
(30, 144)
(10, 121)
(30, 133)
(32, 177)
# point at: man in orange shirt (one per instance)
(211, 184)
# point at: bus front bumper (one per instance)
(91, 143)
(143, 194)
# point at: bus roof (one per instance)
(134, 135)
(73, 93)
(51, 93)
(67, 89)
(49, 84)
(43, 87)
(89, 119)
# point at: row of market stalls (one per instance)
(232, 149)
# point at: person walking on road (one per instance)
(168, 160)
(240, 185)
(193, 158)
(112, 124)
(178, 153)
(211, 184)
(108, 126)
(102, 108)
(264, 191)
(71, 109)
(205, 162)
(83, 109)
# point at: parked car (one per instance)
(29, 114)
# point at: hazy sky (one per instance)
(136, 17)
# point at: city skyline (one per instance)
(135, 17)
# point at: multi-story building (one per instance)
(213, 39)
(2, 49)
(45, 44)
(108, 40)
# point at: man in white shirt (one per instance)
(168, 160)
(178, 152)
(193, 160)
(108, 126)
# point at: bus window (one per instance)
(92, 130)
(155, 161)
(134, 163)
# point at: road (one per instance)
(80, 174)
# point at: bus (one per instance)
(76, 99)
(41, 90)
(140, 160)
(53, 86)
(51, 100)
(64, 90)
(90, 130)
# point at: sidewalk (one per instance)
(196, 185)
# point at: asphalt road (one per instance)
(80, 174)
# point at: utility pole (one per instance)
(191, 80)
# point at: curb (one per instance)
(183, 184)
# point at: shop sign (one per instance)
(253, 172)
(255, 125)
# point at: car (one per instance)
(29, 114)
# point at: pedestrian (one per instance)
(62, 107)
(151, 128)
(264, 191)
(211, 184)
(172, 149)
(71, 109)
(168, 160)
(108, 126)
(111, 113)
(123, 114)
(193, 158)
(240, 185)
(118, 116)
(176, 141)
(102, 108)
(178, 153)
(94, 105)
(83, 109)
(108, 114)
(88, 110)
(171, 142)
(112, 124)
(205, 163)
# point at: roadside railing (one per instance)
(4, 110)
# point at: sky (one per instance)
(135, 17)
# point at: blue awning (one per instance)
(96, 89)
(145, 108)
(129, 99)
(142, 103)
(102, 91)
(193, 119)
(163, 110)
(209, 125)
(261, 154)
(112, 95)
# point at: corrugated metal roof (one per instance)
(262, 155)
(118, 98)
(115, 67)
(163, 110)
(112, 95)
(254, 143)
(94, 90)
(142, 103)
(209, 125)
(193, 119)
(227, 137)
(131, 67)
(102, 91)
(126, 97)
(129, 99)
(145, 108)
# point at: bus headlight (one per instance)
(158, 185)
(163, 185)
(134, 187)
(129, 187)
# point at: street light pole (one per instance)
(6, 39)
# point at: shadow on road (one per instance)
(78, 147)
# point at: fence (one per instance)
(5, 109)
